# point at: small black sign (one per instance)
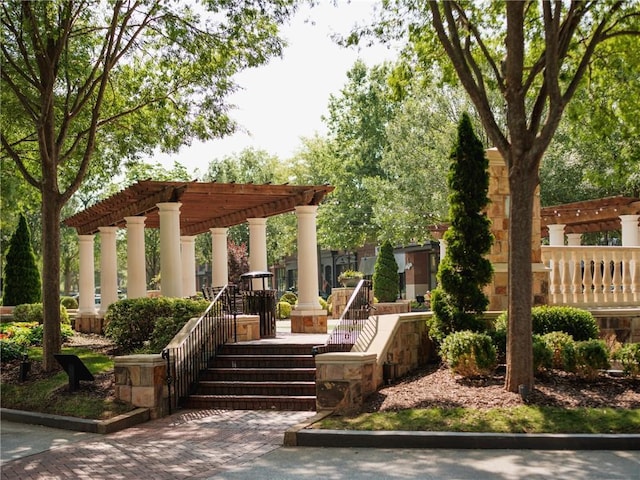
(76, 370)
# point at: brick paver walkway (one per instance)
(190, 444)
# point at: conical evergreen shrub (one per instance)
(22, 282)
(385, 275)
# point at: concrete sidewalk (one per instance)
(248, 445)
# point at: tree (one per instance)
(459, 302)
(81, 77)
(385, 275)
(21, 276)
(536, 55)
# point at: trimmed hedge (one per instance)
(578, 323)
(283, 310)
(469, 353)
(34, 312)
(629, 357)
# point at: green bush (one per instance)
(166, 328)
(131, 322)
(385, 274)
(289, 297)
(578, 323)
(22, 283)
(34, 312)
(283, 310)
(469, 353)
(11, 350)
(558, 343)
(542, 354)
(629, 357)
(591, 357)
(37, 332)
(324, 304)
(69, 303)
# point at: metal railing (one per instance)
(199, 341)
(352, 321)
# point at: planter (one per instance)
(350, 282)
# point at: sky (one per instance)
(283, 101)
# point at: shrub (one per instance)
(11, 350)
(69, 303)
(22, 282)
(385, 274)
(33, 312)
(629, 357)
(323, 304)
(165, 329)
(131, 322)
(469, 353)
(578, 323)
(591, 356)
(289, 297)
(542, 354)
(558, 342)
(283, 310)
(36, 334)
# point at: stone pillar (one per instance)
(258, 248)
(629, 230)
(574, 239)
(220, 257)
(556, 235)
(308, 315)
(170, 261)
(188, 256)
(108, 268)
(136, 269)
(87, 282)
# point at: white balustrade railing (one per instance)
(593, 276)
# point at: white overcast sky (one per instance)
(283, 101)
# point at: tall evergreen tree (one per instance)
(22, 282)
(385, 275)
(459, 301)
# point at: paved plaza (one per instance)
(248, 445)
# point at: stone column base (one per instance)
(88, 323)
(141, 380)
(309, 321)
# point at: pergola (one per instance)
(181, 210)
(600, 215)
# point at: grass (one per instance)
(49, 395)
(521, 419)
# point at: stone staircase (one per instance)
(255, 376)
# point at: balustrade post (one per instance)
(577, 284)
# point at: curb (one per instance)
(111, 425)
(306, 437)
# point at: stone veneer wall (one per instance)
(141, 380)
(344, 380)
(623, 323)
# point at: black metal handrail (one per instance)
(191, 351)
(352, 321)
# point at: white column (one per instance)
(574, 239)
(136, 268)
(307, 259)
(629, 230)
(170, 261)
(219, 257)
(443, 248)
(87, 306)
(258, 248)
(556, 235)
(108, 268)
(188, 255)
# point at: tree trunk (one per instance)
(519, 339)
(51, 212)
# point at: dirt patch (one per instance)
(436, 386)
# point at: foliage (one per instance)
(350, 274)
(542, 354)
(562, 347)
(17, 336)
(10, 350)
(69, 303)
(459, 301)
(21, 276)
(578, 323)
(469, 353)
(629, 357)
(163, 332)
(591, 357)
(385, 275)
(237, 261)
(289, 297)
(131, 322)
(283, 310)
(34, 312)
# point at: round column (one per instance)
(188, 255)
(556, 235)
(574, 239)
(87, 306)
(136, 269)
(258, 248)
(170, 259)
(629, 230)
(307, 259)
(108, 268)
(219, 257)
